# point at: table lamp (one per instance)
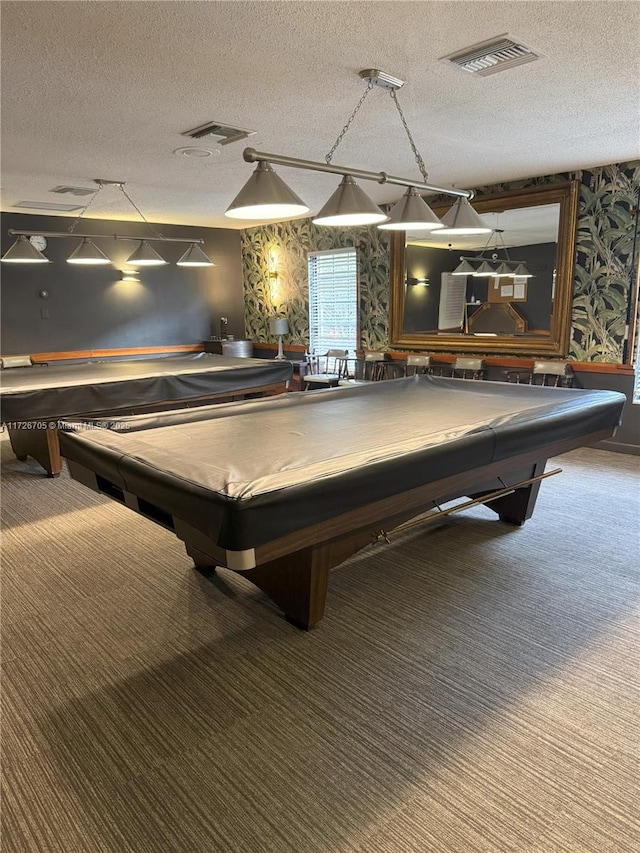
(279, 327)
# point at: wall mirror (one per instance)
(509, 291)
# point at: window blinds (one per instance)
(333, 300)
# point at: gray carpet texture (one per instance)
(473, 687)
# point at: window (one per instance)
(333, 300)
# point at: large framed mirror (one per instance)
(507, 292)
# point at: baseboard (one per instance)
(618, 447)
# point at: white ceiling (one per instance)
(95, 89)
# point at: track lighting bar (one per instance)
(250, 155)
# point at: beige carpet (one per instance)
(472, 689)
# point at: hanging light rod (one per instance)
(250, 155)
(12, 232)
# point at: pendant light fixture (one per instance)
(263, 197)
(493, 266)
(145, 256)
(194, 257)
(23, 252)
(464, 268)
(411, 213)
(88, 253)
(462, 219)
(266, 196)
(350, 205)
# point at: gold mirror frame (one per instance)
(557, 343)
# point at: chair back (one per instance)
(469, 368)
(417, 364)
(554, 373)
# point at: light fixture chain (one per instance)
(344, 130)
(74, 224)
(140, 213)
(416, 153)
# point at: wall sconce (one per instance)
(418, 282)
(130, 275)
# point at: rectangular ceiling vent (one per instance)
(223, 133)
(48, 205)
(79, 191)
(489, 57)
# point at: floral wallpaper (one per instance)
(606, 266)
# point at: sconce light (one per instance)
(418, 282)
(272, 263)
(130, 275)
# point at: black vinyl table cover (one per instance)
(63, 390)
(246, 473)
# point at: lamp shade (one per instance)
(279, 326)
(485, 268)
(411, 213)
(461, 218)
(145, 256)
(522, 272)
(195, 257)
(503, 270)
(22, 252)
(88, 253)
(464, 268)
(265, 196)
(350, 205)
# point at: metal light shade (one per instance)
(522, 272)
(462, 219)
(88, 253)
(485, 268)
(503, 270)
(195, 257)
(411, 213)
(464, 268)
(22, 252)
(350, 205)
(145, 256)
(265, 196)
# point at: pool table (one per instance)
(33, 399)
(285, 488)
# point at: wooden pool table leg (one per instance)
(518, 506)
(296, 582)
(41, 443)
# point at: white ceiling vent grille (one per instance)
(489, 57)
(78, 191)
(48, 205)
(224, 133)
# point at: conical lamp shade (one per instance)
(350, 205)
(265, 196)
(462, 219)
(411, 213)
(485, 268)
(503, 270)
(464, 268)
(195, 257)
(145, 256)
(88, 253)
(522, 272)
(22, 252)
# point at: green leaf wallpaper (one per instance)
(606, 266)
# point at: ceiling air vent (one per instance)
(79, 191)
(48, 205)
(224, 133)
(489, 57)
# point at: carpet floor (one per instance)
(473, 687)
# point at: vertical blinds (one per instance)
(333, 300)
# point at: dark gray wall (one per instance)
(91, 307)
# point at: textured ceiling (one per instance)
(96, 89)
